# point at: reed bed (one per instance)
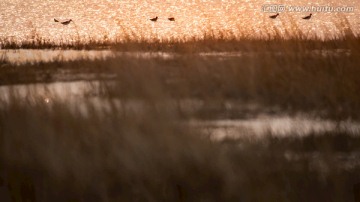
(57, 151)
(286, 33)
(206, 43)
(52, 152)
(294, 78)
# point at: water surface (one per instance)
(79, 94)
(33, 56)
(109, 20)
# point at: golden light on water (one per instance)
(23, 20)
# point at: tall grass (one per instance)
(206, 43)
(209, 39)
(294, 78)
(51, 152)
(60, 151)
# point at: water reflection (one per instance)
(31, 56)
(274, 125)
(77, 94)
(26, 56)
(107, 20)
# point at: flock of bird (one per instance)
(272, 17)
(66, 22)
(277, 14)
(156, 18)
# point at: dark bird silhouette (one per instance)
(154, 19)
(274, 16)
(66, 22)
(171, 19)
(307, 17)
(55, 20)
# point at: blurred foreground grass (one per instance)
(295, 75)
(52, 153)
(56, 152)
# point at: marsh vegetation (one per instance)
(54, 150)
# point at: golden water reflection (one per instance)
(82, 96)
(109, 20)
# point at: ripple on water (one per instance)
(76, 93)
(106, 20)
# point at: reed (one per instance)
(54, 152)
(289, 33)
(293, 76)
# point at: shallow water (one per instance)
(25, 56)
(276, 125)
(108, 20)
(256, 126)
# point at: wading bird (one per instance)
(66, 22)
(274, 16)
(154, 19)
(171, 19)
(307, 17)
